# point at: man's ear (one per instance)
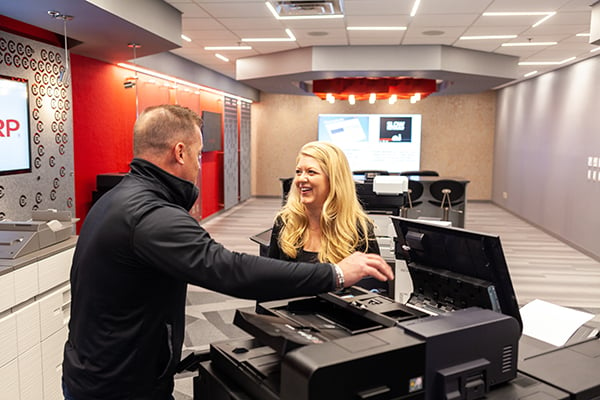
(179, 152)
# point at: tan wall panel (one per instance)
(457, 135)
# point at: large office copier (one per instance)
(45, 228)
(455, 338)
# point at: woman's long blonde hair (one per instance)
(344, 224)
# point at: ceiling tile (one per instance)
(222, 9)
(521, 5)
(378, 20)
(200, 24)
(429, 32)
(250, 23)
(444, 20)
(453, 6)
(190, 10)
(377, 7)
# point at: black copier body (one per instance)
(361, 345)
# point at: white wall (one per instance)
(547, 129)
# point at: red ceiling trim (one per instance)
(30, 31)
(361, 88)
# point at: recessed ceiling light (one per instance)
(415, 7)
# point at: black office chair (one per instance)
(447, 193)
(423, 172)
(415, 191)
(286, 185)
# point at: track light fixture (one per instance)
(63, 76)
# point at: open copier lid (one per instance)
(454, 268)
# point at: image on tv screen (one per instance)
(375, 142)
(211, 131)
(395, 129)
(15, 145)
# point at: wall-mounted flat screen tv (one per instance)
(211, 131)
(381, 142)
(15, 144)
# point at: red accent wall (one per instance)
(213, 196)
(104, 112)
(103, 118)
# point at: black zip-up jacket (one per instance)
(137, 250)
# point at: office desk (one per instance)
(263, 240)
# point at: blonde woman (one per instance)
(322, 220)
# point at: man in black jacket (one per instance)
(137, 251)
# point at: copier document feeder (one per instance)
(361, 345)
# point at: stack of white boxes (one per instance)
(34, 312)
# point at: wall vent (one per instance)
(307, 8)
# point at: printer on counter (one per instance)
(46, 227)
(361, 345)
